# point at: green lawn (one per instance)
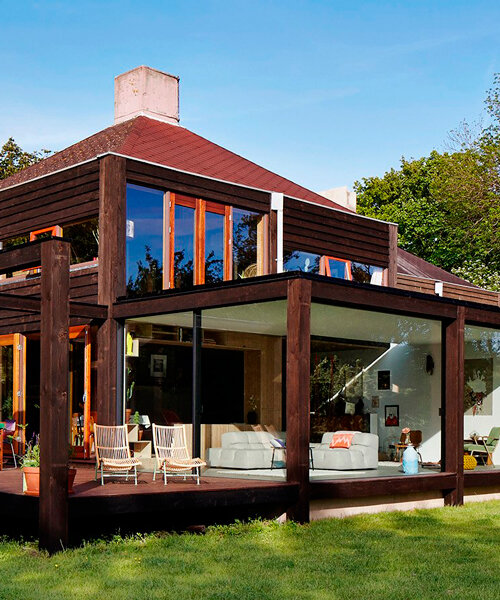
(441, 553)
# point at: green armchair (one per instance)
(484, 446)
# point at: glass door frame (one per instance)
(18, 343)
(83, 331)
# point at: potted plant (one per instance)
(136, 420)
(31, 470)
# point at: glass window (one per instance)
(378, 374)
(84, 238)
(6, 381)
(184, 246)
(336, 267)
(482, 395)
(144, 240)
(214, 247)
(245, 225)
(301, 261)
(366, 273)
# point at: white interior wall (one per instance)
(417, 394)
(482, 423)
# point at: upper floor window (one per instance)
(84, 238)
(341, 268)
(177, 241)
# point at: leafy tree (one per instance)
(13, 158)
(447, 205)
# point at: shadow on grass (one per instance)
(439, 553)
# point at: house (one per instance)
(207, 290)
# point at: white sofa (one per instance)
(244, 450)
(363, 453)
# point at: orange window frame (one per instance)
(201, 207)
(325, 269)
(55, 230)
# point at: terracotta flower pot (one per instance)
(32, 480)
(128, 414)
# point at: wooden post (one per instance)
(111, 281)
(453, 404)
(391, 278)
(196, 398)
(54, 410)
(272, 241)
(298, 353)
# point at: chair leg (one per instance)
(135, 475)
(164, 474)
(154, 473)
(197, 475)
(95, 478)
(102, 475)
(13, 455)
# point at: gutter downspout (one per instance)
(277, 201)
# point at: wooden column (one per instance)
(196, 398)
(272, 241)
(112, 284)
(391, 273)
(453, 404)
(54, 410)
(298, 352)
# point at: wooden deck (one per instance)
(122, 506)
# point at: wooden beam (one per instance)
(112, 284)
(19, 303)
(54, 409)
(225, 294)
(382, 486)
(88, 311)
(298, 352)
(453, 404)
(20, 257)
(373, 297)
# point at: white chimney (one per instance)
(147, 92)
(342, 196)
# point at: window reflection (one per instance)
(244, 243)
(184, 246)
(214, 247)
(144, 240)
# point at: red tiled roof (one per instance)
(409, 264)
(172, 146)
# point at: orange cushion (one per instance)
(341, 440)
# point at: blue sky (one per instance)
(322, 92)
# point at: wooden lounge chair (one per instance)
(112, 452)
(484, 446)
(172, 455)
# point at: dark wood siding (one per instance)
(198, 186)
(83, 288)
(317, 229)
(57, 199)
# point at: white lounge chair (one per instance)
(112, 451)
(172, 455)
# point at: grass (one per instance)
(425, 554)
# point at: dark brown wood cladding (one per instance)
(65, 197)
(83, 288)
(198, 186)
(320, 230)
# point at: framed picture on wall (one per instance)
(392, 415)
(384, 380)
(158, 365)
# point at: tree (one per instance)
(13, 158)
(447, 205)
